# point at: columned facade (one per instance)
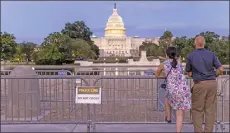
(115, 43)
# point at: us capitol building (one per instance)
(115, 43)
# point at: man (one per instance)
(200, 66)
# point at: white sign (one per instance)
(78, 81)
(88, 95)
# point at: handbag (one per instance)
(163, 85)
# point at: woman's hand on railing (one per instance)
(161, 76)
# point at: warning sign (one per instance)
(88, 95)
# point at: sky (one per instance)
(34, 20)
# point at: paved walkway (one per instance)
(99, 128)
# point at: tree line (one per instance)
(74, 41)
(215, 43)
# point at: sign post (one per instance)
(88, 95)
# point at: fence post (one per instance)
(217, 123)
(222, 126)
(89, 120)
(222, 123)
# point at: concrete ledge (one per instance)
(38, 128)
(99, 128)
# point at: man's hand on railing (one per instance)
(219, 72)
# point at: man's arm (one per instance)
(218, 66)
(188, 67)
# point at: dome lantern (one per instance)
(115, 26)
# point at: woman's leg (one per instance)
(179, 120)
(168, 109)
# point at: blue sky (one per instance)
(34, 20)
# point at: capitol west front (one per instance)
(115, 43)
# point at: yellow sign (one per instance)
(88, 95)
(88, 90)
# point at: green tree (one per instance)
(95, 49)
(82, 49)
(211, 38)
(27, 48)
(213, 43)
(166, 41)
(79, 30)
(18, 56)
(185, 45)
(54, 48)
(35, 56)
(188, 48)
(151, 49)
(180, 42)
(223, 51)
(219, 46)
(59, 48)
(8, 46)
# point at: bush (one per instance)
(122, 61)
(48, 62)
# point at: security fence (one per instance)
(224, 105)
(125, 99)
(101, 70)
(140, 99)
(43, 72)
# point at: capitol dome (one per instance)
(115, 26)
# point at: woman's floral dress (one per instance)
(177, 90)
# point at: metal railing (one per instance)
(138, 99)
(43, 72)
(101, 70)
(123, 70)
(125, 99)
(225, 104)
(52, 102)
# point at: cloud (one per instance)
(30, 19)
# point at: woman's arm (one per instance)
(160, 68)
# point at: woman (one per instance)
(178, 95)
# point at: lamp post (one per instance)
(104, 68)
(116, 73)
(27, 60)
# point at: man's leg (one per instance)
(198, 103)
(210, 105)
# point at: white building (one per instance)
(115, 42)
